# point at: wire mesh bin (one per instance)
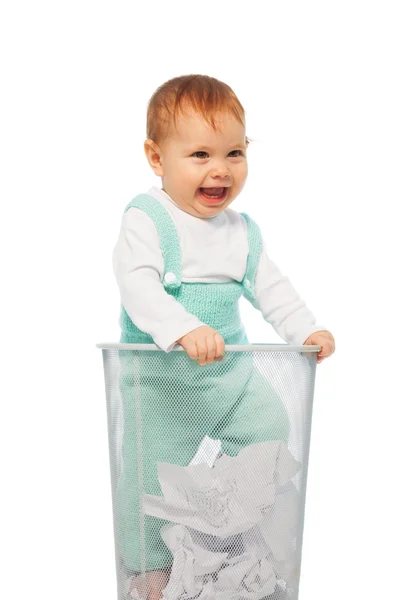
(209, 470)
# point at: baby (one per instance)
(182, 261)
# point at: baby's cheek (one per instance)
(243, 172)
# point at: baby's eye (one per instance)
(239, 152)
(199, 152)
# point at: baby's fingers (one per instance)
(220, 347)
(327, 349)
(191, 349)
(211, 348)
(202, 351)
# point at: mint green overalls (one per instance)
(170, 402)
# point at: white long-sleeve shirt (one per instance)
(212, 250)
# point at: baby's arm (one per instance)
(281, 305)
(139, 269)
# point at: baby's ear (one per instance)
(153, 154)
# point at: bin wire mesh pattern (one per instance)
(208, 472)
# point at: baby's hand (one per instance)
(325, 340)
(204, 344)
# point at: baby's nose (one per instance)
(220, 172)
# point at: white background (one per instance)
(320, 85)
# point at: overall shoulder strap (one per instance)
(254, 237)
(169, 240)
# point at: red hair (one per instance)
(203, 94)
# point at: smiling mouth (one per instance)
(213, 195)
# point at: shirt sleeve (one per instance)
(280, 304)
(139, 269)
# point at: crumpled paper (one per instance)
(191, 563)
(227, 499)
(233, 521)
(207, 452)
(199, 573)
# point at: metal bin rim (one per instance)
(228, 348)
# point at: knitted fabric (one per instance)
(169, 403)
(215, 304)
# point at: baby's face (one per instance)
(201, 169)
